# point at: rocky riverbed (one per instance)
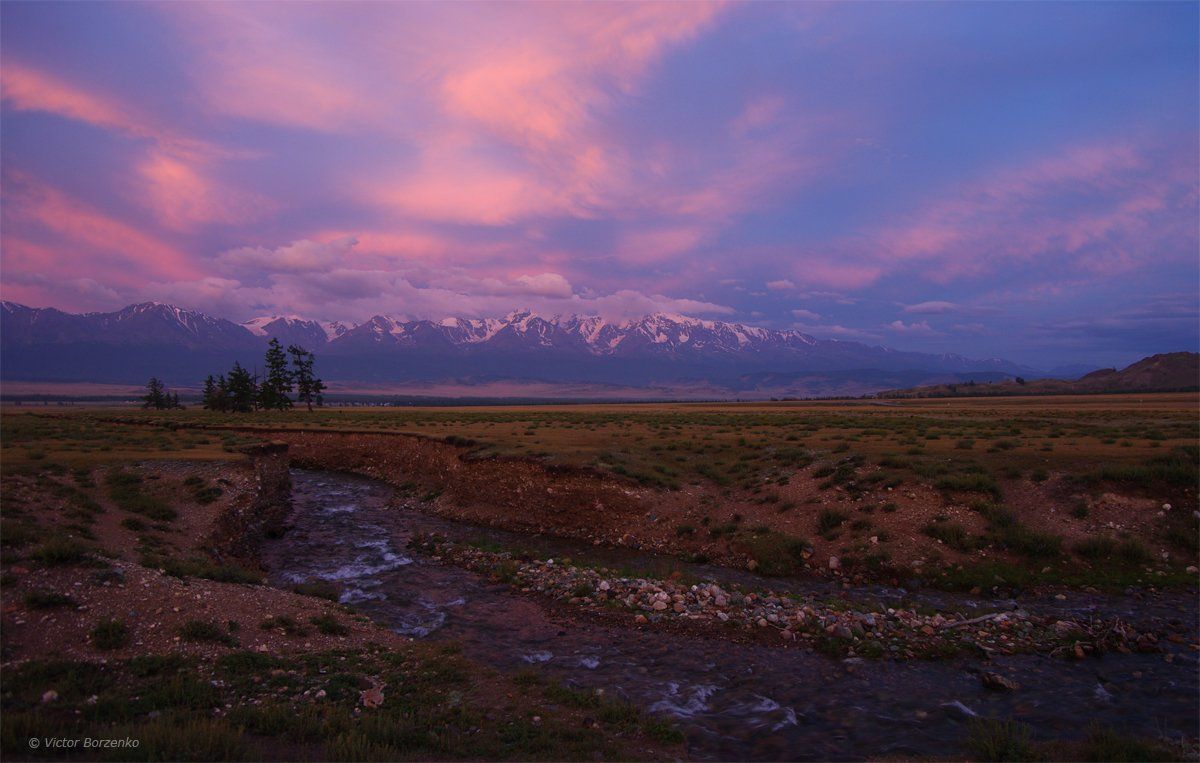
(737, 689)
(788, 620)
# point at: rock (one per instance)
(842, 632)
(721, 601)
(1166, 507)
(787, 635)
(752, 565)
(722, 616)
(997, 682)
(1064, 628)
(1192, 569)
(49, 696)
(834, 563)
(1060, 597)
(762, 623)
(640, 620)
(604, 586)
(659, 606)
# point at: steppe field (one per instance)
(145, 592)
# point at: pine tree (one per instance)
(209, 397)
(221, 398)
(242, 389)
(156, 394)
(308, 386)
(175, 401)
(273, 395)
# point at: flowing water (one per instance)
(733, 701)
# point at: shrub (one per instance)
(109, 634)
(776, 554)
(829, 520)
(1104, 548)
(953, 535)
(203, 630)
(125, 489)
(1028, 542)
(284, 623)
(321, 589)
(967, 483)
(999, 740)
(328, 625)
(48, 600)
(61, 552)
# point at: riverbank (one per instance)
(135, 611)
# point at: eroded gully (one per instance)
(733, 701)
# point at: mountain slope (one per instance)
(1168, 372)
(182, 346)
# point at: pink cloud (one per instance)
(837, 275)
(296, 257)
(174, 179)
(916, 327)
(27, 89)
(1093, 208)
(33, 206)
(176, 186)
(545, 285)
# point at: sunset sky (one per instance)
(1006, 179)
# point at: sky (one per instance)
(1014, 180)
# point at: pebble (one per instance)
(997, 682)
(906, 633)
(49, 696)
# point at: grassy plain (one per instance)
(964, 493)
(668, 445)
(1030, 489)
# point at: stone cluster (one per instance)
(837, 627)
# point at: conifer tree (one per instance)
(309, 388)
(221, 398)
(156, 394)
(273, 394)
(209, 397)
(242, 389)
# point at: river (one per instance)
(733, 701)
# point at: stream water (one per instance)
(732, 701)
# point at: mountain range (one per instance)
(661, 351)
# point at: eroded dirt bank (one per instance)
(511, 493)
(878, 534)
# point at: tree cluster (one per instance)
(158, 396)
(242, 392)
